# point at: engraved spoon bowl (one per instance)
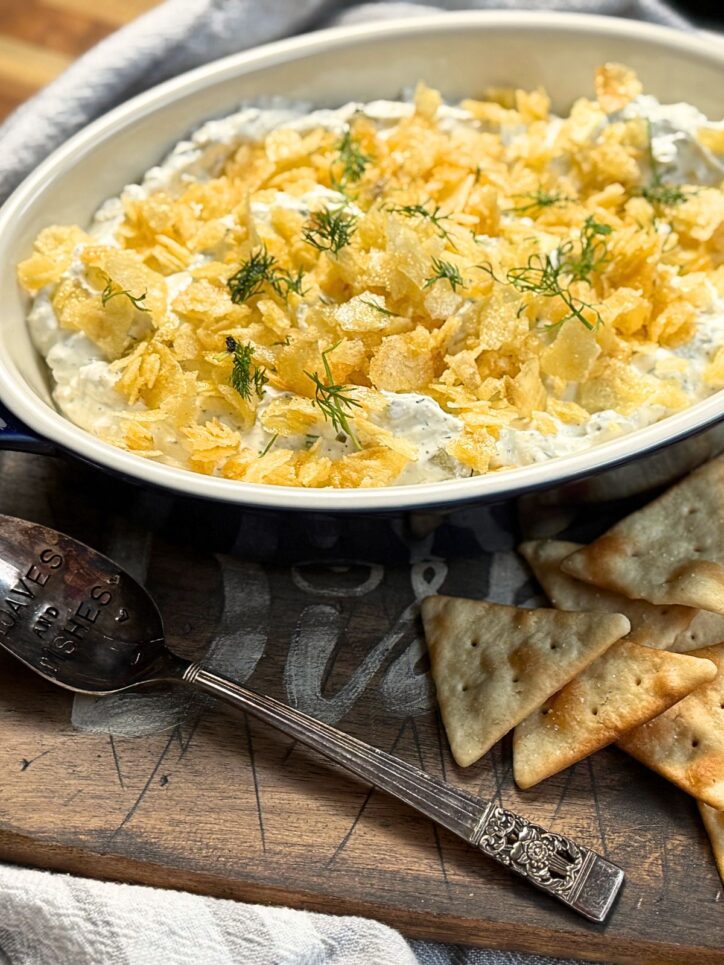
(78, 620)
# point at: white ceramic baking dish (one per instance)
(458, 53)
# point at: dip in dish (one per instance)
(395, 292)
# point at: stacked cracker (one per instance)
(632, 654)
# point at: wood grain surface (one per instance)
(40, 38)
(175, 791)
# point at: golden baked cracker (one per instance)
(662, 627)
(671, 551)
(493, 665)
(686, 744)
(714, 824)
(625, 687)
(705, 630)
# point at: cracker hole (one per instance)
(695, 742)
(547, 710)
(516, 679)
(554, 646)
(473, 643)
(692, 510)
(638, 681)
(464, 688)
(594, 711)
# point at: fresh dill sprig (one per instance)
(551, 275)
(657, 193)
(330, 230)
(422, 211)
(267, 447)
(353, 162)
(113, 291)
(537, 200)
(378, 308)
(245, 376)
(592, 254)
(334, 400)
(259, 270)
(445, 271)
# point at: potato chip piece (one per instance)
(138, 437)
(493, 665)
(212, 435)
(714, 824)
(661, 627)
(624, 688)
(427, 101)
(109, 326)
(616, 86)
(675, 325)
(671, 551)
(376, 466)
(712, 138)
(301, 356)
(572, 354)
(290, 416)
(714, 371)
(52, 254)
(526, 390)
(627, 310)
(686, 743)
(403, 363)
(569, 413)
(498, 319)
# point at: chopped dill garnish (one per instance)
(378, 308)
(537, 200)
(422, 211)
(593, 252)
(112, 291)
(334, 400)
(551, 275)
(352, 160)
(245, 376)
(445, 271)
(269, 444)
(657, 193)
(259, 270)
(329, 230)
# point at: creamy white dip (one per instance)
(84, 381)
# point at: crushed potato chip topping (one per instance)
(515, 271)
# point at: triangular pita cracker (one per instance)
(651, 625)
(714, 824)
(671, 551)
(625, 687)
(705, 630)
(686, 744)
(493, 665)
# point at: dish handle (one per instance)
(17, 437)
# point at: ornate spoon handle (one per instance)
(575, 875)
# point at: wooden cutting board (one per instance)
(173, 791)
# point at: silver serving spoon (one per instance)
(81, 622)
